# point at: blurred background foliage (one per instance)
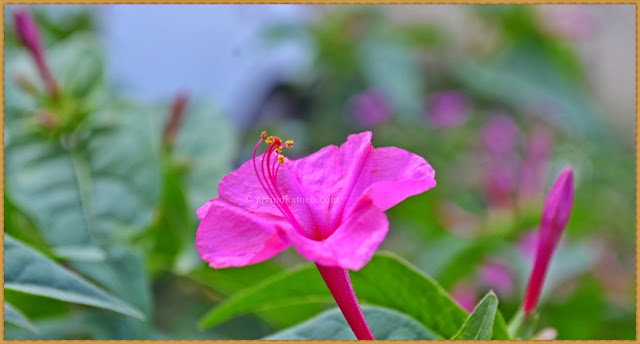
(101, 186)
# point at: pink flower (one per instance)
(465, 296)
(528, 245)
(500, 134)
(370, 108)
(27, 31)
(448, 109)
(329, 206)
(555, 216)
(495, 273)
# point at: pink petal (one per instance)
(387, 175)
(393, 175)
(231, 236)
(352, 244)
(242, 188)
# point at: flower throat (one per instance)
(267, 174)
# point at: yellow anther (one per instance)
(269, 140)
(278, 150)
(281, 159)
(289, 143)
(263, 135)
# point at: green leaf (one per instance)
(331, 325)
(404, 289)
(30, 272)
(15, 317)
(89, 184)
(479, 325)
(122, 273)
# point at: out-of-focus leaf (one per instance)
(202, 154)
(123, 274)
(386, 324)
(206, 144)
(387, 65)
(90, 183)
(230, 280)
(422, 298)
(15, 317)
(66, 327)
(20, 226)
(30, 272)
(479, 325)
(528, 81)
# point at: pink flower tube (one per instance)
(27, 31)
(329, 206)
(555, 216)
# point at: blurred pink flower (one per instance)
(370, 108)
(500, 184)
(555, 215)
(448, 109)
(27, 31)
(465, 296)
(500, 134)
(572, 22)
(528, 244)
(329, 206)
(495, 274)
(533, 172)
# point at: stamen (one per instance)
(268, 180)
(289, 143)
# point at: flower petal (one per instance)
(386, 175)
(352, 244)
(242, 188)
(394, 174)
(231, 236)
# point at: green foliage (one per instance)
(29, 272)
(405, 290)
(479, 325)
(15, 317)
(385, 324)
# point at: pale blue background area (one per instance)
(215, 52)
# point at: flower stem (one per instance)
(339, 283)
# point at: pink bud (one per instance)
(27, 30)
(555, 216)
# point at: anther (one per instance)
(289, 143)
(263, 135)
(281, 159)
